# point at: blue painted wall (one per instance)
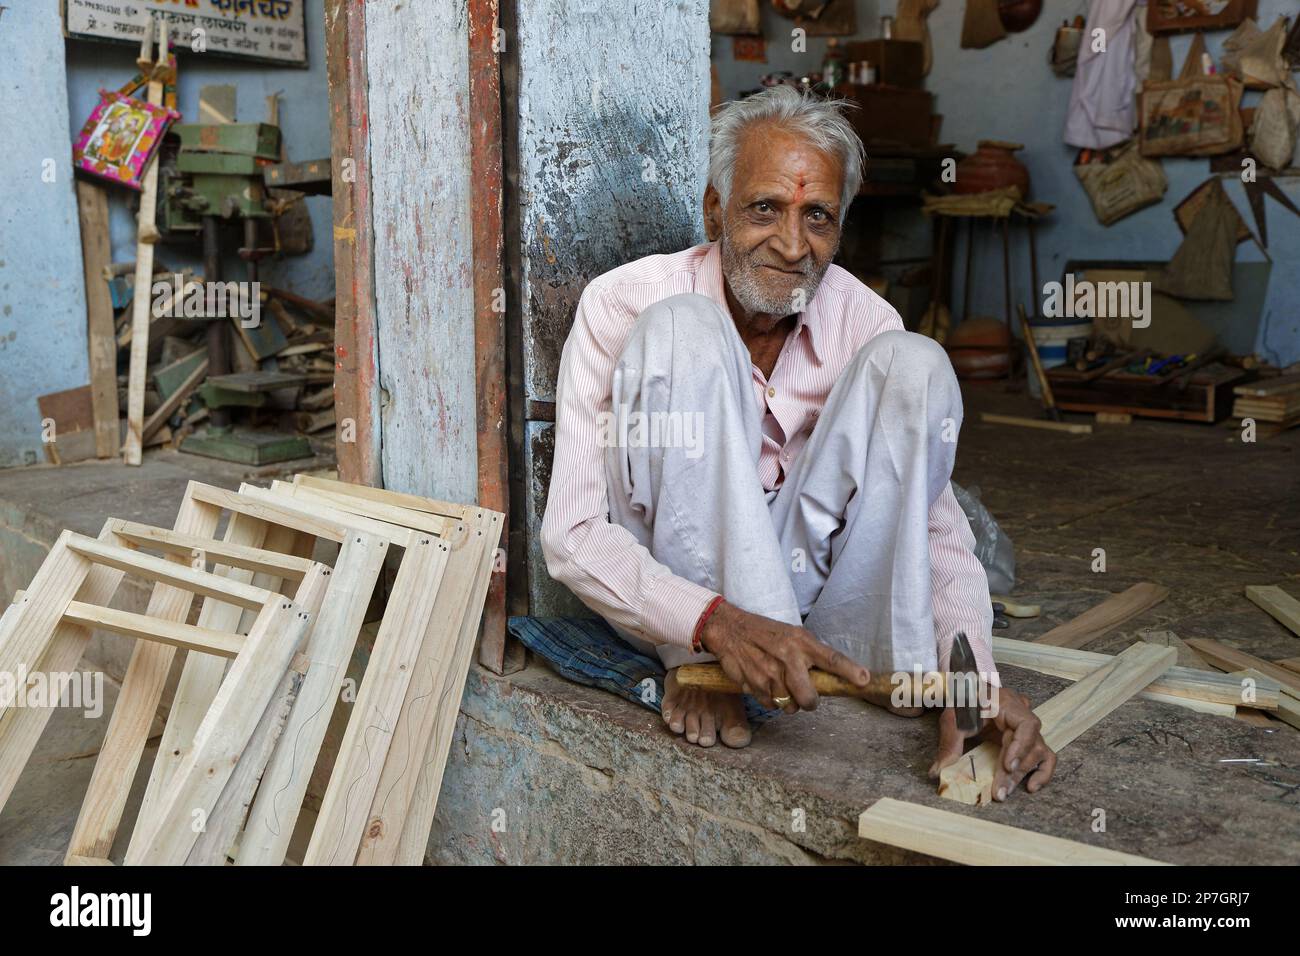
(42, 294)
(304, 119)
(1007, 91)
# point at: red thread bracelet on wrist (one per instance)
(696, 646)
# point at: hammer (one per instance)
(880, 688)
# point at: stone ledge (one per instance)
(584, 777)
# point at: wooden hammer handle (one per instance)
(879, 687)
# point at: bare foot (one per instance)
(704, 716)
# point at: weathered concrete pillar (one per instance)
(419, 168)
(42, 290)
(607, 125)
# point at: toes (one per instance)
(735, 728)
(693, 726)
(736, 735)
(708, 729)
(671, 706)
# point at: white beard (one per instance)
(743, 281)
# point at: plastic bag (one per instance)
(992, 546)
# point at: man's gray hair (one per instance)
(821, 121)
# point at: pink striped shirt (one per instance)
(602, 563)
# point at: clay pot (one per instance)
(992, 166)
(978, 348)
(1018, 15)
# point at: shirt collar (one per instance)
(708, 282)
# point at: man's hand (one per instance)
(771, 660)
(1017, 729)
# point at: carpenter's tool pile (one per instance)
(245, 752)
(285, 378)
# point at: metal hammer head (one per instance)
(963, 675)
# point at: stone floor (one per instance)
(544, 771)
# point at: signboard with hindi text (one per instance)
(271, 31)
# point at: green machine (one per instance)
(218, 176)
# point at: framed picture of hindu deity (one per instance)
(120, 137)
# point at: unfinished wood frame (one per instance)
(1064, 717)
(420, 602)
(401, 814)
(21, 727)
(221, 744)
(293, 754)
(975, 842)
(252, 551)
(32, 627)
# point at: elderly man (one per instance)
(752, 457)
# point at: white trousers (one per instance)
(843, 545)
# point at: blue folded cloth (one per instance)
(588, 651)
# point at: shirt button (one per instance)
(771, 393)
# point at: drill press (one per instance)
(217, 177)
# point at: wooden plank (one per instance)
(1185, 686)
(424, 803)
(30, 629)
(227, 553)
(356, 379)
(345, 808)
(1105, 617)
(172, 376)
(1069, 427)
(400, 517)
(137, 704)
(92, 206)
(214, 844)
(1279, 605)
(436, 686)
(280, 495)
(185, 636)
(1186, 656)
(1290, 663)
(384, 496)
(21, 727)
(201, 675)
(274, 511)
(263, 340)
(132, 450)
(174, 401)
(165, 572)
(72, 413)
(227, 817)
(275, 810)
(167, 839)
(1064, 717)
(490, 340)
(1280, 385)
(1230, 659)
(975, 842)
